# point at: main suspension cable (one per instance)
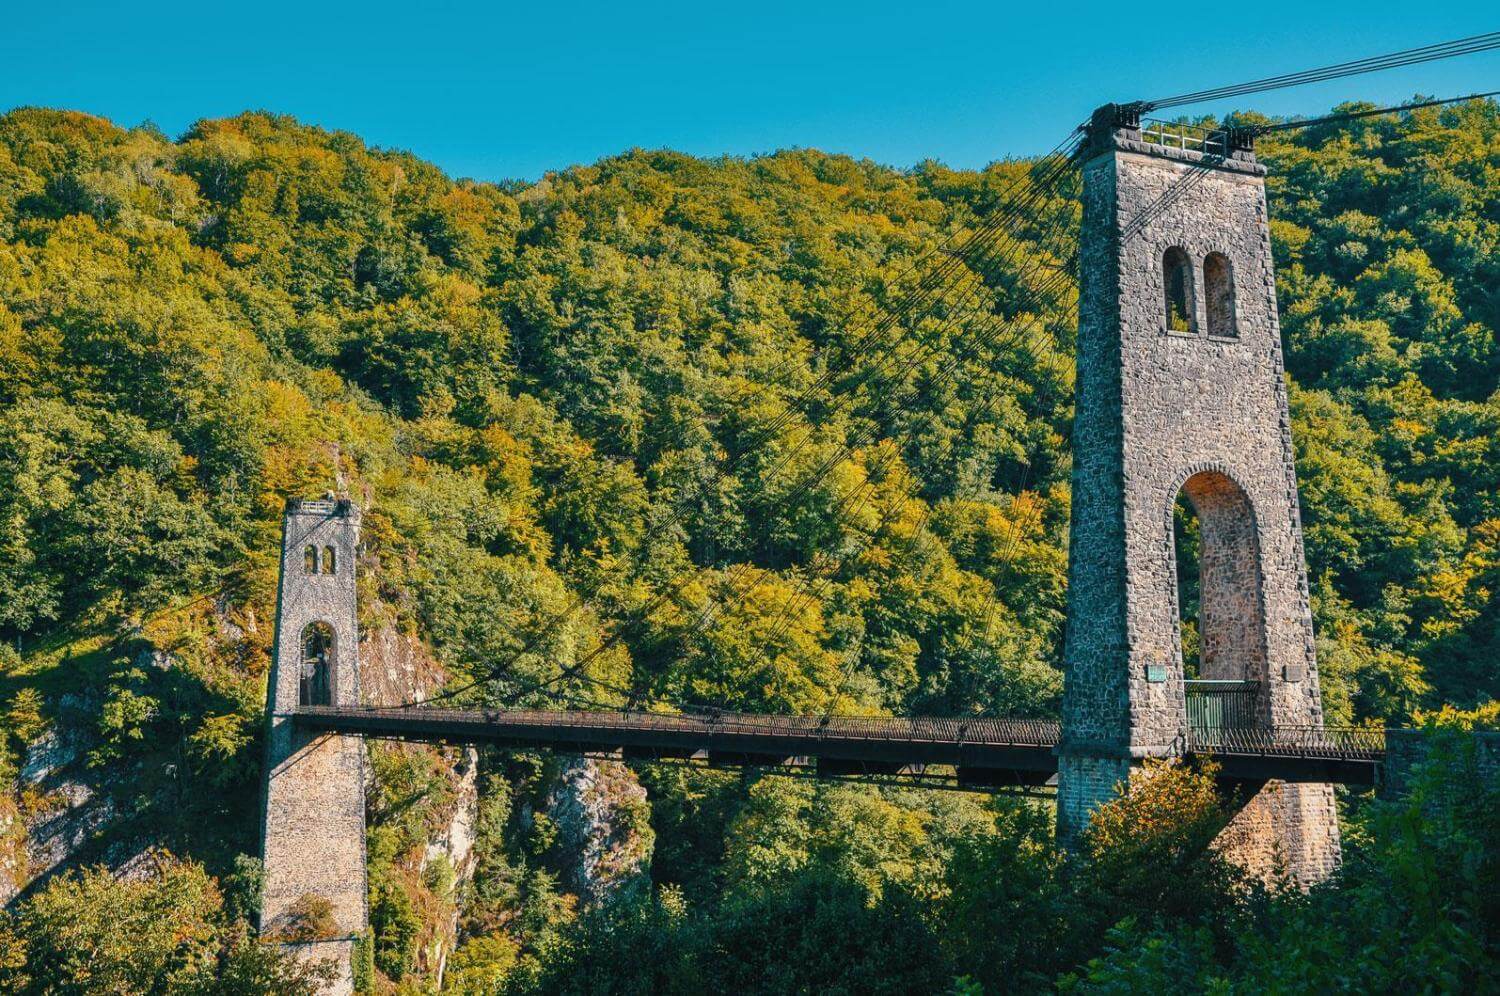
(1393, 60)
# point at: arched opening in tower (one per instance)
(1218, 288)
(316, 686)
(1177, 282)
(1219, 602)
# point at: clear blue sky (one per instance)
(503, 90)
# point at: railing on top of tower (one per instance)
(1221, 142)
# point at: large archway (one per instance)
(1220, 603)
(316, 684)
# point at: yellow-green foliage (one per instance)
(589, 384)
(165, 932)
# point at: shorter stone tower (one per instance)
(313, 829)
(1180, 393)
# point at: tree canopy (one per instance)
(582, 391)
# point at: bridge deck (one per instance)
(982, 751)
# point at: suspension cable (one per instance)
(1355, 115)
(1393, 60)
(994, 228)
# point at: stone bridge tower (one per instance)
(313, 829)
(1180, 392)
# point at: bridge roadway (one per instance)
(982, 752)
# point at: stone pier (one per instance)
(313, 831)
(1180, 392)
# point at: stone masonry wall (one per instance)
(313, 831)
(1161, 412)
(1083, 784)
(1285, 833)
(1096, 703)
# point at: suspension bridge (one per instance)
(976, 752)
(1179, 394)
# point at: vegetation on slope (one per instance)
(594, 383)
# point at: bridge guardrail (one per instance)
(1211, 142)
(1332, 742)
(924, 733)
(947, 730)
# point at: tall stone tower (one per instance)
(313, 829)
(1180, 392)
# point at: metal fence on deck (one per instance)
(963, 740)
(1332, 742)
(1213, 704)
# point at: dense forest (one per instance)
(558, 400)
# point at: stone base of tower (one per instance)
(1285, 832)
(1282, 833)
(1084, 783)
(313, 847)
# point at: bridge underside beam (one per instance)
(836, 754)
(1292, 768)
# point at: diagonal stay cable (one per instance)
(769, 431)
(1300, 123)
(741, 569)
(576, 669)
(993, 396)
(1035, 194)
(806, 595)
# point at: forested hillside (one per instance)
(655, 368)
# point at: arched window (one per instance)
(330, 560)
(1218, 294)
(310, 560)
(317, 665)
(1177, 279)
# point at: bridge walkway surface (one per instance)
(983, 752)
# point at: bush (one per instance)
(310, 918)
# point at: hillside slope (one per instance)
(588, 385)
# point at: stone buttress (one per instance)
(313, 831)
(1180, 391)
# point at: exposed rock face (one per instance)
(455, 843)
(67, 813)
(604, 834)
(12, 850)
(395, 668)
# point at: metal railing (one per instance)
(1332, 742)
(886, 729)
(864, 735)
(1213, 704)
(1186, 137)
